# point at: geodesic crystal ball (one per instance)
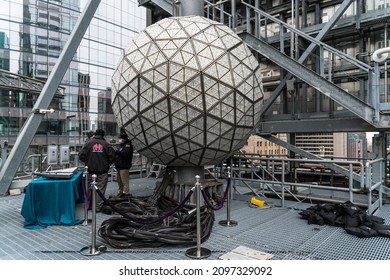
(188, 92)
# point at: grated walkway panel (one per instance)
(274, 230)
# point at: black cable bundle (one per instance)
(177, 229)
(139, 205)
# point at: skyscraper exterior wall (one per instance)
(260, 146)
(4, 51)
(33, 33)
(324, 144)
(348, 146)
(357, 146)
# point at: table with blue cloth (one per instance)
(52, 202)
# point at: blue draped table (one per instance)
(52, 202)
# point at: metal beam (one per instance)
(327, 27)
(11, 165)
(369, 18)
(314, 125)
(353, 104)
(165, 5)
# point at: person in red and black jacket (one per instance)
(98, 155)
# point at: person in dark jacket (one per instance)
(124, 157)
(98, 155)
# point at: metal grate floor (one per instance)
(274, 230)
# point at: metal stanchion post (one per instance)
(86, 222)
(198, 252)
(228, 222)
(93, 250)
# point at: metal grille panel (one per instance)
(274, 230)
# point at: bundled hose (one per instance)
(177, 229)
(156, 220)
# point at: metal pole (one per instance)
(368, 184)
(176, 8)
(86, 221)
(198, 252)
(381, 179)
(385, 67)
(190, 7)
(93, 246)
(33, 165)
(296, 25)
(282, 183)
(234, 13)
(292, 36)
(198, 225)
(257, 19)
(350, 182)
(228, 222)
(93, 250)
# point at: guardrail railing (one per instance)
(282, 177)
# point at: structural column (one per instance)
(188, 8)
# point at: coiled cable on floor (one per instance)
(177, 229)
(153, 221)
(145, 221)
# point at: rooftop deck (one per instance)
(277, 231)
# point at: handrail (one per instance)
(377, 186)
(352, 60)
(280, 164)
(223, 12)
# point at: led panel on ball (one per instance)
(188, 92)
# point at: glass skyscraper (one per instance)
(32, 35)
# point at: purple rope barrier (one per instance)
(142, 221)
(217, 207)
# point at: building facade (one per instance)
(347, 146)
(329, 145)
(33, 34)
(260, 146)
